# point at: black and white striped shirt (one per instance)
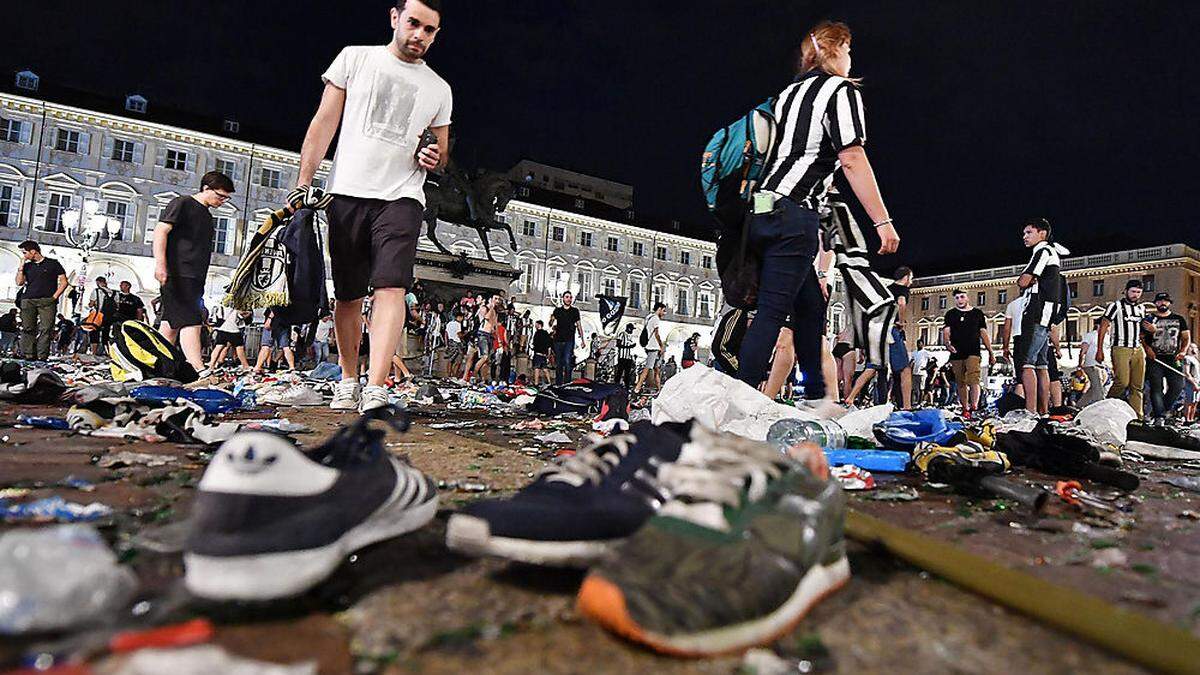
(625, 344)
(1046, 294)
(818, 115)
(1126, 319)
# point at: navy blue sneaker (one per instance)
(576, 510)
(271, 521)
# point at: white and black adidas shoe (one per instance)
(271, 521)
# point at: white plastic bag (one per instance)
(1106, 420)
(719, 402)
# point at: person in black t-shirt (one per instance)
(542, 343)
(965, 327)
(689, 351)
(566, 324)
(8, 331)
(44, 281)
(103, 300)
(1166, 346)
(129, 306)
(1042, 283)
(183, 244)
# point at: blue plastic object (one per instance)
(886, 461)
(213, 401)
(44, 422)
(904, 429)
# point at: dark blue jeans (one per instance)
(788, 295)
(1156, 377)
(564, 361)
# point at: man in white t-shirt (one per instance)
(386, 100)
(655, 344)
(920, 358)
(1095, 374)
(1012, 338)
(454, 345)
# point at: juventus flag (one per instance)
(612, 308)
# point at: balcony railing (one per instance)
(1139, 255)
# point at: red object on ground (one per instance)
(192, 632)
(1067, 489)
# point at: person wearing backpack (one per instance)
(821, 128)
(651, 340)
(104, 301)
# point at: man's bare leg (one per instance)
(1043, 390)
(1029, 381)
(863, 381)
(347, 322)
(290, 356)
(189, 341)
(241, 355)
(387, 328)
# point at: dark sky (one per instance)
(979, 114)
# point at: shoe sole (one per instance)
(472, 536)
(348, 405)
(603, 602)
(271, 576)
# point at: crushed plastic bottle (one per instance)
(59, 577)
(789, 432)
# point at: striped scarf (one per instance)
(872, 309)
(261, 276)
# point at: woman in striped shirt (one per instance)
(822, 128)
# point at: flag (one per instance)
(612, 308)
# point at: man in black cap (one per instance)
(1166, 341)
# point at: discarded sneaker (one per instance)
(577, 510)
(271, 521)
(295, 395)
(748, 544)
(345, 395)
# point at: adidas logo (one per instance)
(248, 460)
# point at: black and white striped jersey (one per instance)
(625, 342)
(1126, 319)
(1046, 295)
(818, 115)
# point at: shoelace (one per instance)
(695, 487)
(359, 442)
(591, 463)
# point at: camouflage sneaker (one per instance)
(750, 541)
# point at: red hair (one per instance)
(817, 49)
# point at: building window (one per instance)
(706, 262)
(529, 228)
(941, 302)
(6, 207)
(135, 103)
(1002, 297)
(681, 306)
(10, 131)
(528, 270)
(59, 204)
(585, 239)
(660, 252)
(1097, 288)
(119, 211)
(639, 249)
(229, 168)
(685, 257)
(584, 279)
(27, 80)
(270, 178)
(660, 294)
(925, 303)
(981, 298)
(705, 302)
(559, 233)
(67, 140)
(231, 126)
(610, 286)
(122, 150)
(223, 235)
(579, 203)
(612, 244)
(176, 160)
(635, 293)
(1148, 283)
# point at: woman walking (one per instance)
(822, 127)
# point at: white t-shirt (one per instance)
(389, 104)
(1087, 350)
(651, 326)
(919, 359)
(452, 330)
(324, 328)
(230, 320)
(1191, 366)
(1014, 311)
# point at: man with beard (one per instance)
(386, 100)
(1166, 340)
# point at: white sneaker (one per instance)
(374, 396)
(345, 395)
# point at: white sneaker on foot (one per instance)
(373, 396)
(345, 395)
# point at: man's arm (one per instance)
(946, 339)
(1185, 340)
(1100, 333)
(160, 251)
(62, 286)
(1147, 347)
(1025, 281)
(1007, 333)
(579, 328)
(987, 341)
(21, 274)
(320, 133)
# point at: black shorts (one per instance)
(539, 361)
(841, 349)
(381, 233)
(1020, 350)
(231, 339)
(183, 302)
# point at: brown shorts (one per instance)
(372, 244)
(966, 371)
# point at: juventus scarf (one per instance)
(261, 276)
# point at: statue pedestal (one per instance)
(457, 273)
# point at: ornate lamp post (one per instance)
(88, 230)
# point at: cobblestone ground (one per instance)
(409, 605)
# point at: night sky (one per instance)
(979, 114)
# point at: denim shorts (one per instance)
(277, 339)
(1038, 355)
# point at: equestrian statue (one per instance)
(457, 199)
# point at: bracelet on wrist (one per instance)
(883, 222)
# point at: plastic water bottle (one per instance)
(789, 432)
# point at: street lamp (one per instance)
(89, 230)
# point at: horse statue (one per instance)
(458, 200)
